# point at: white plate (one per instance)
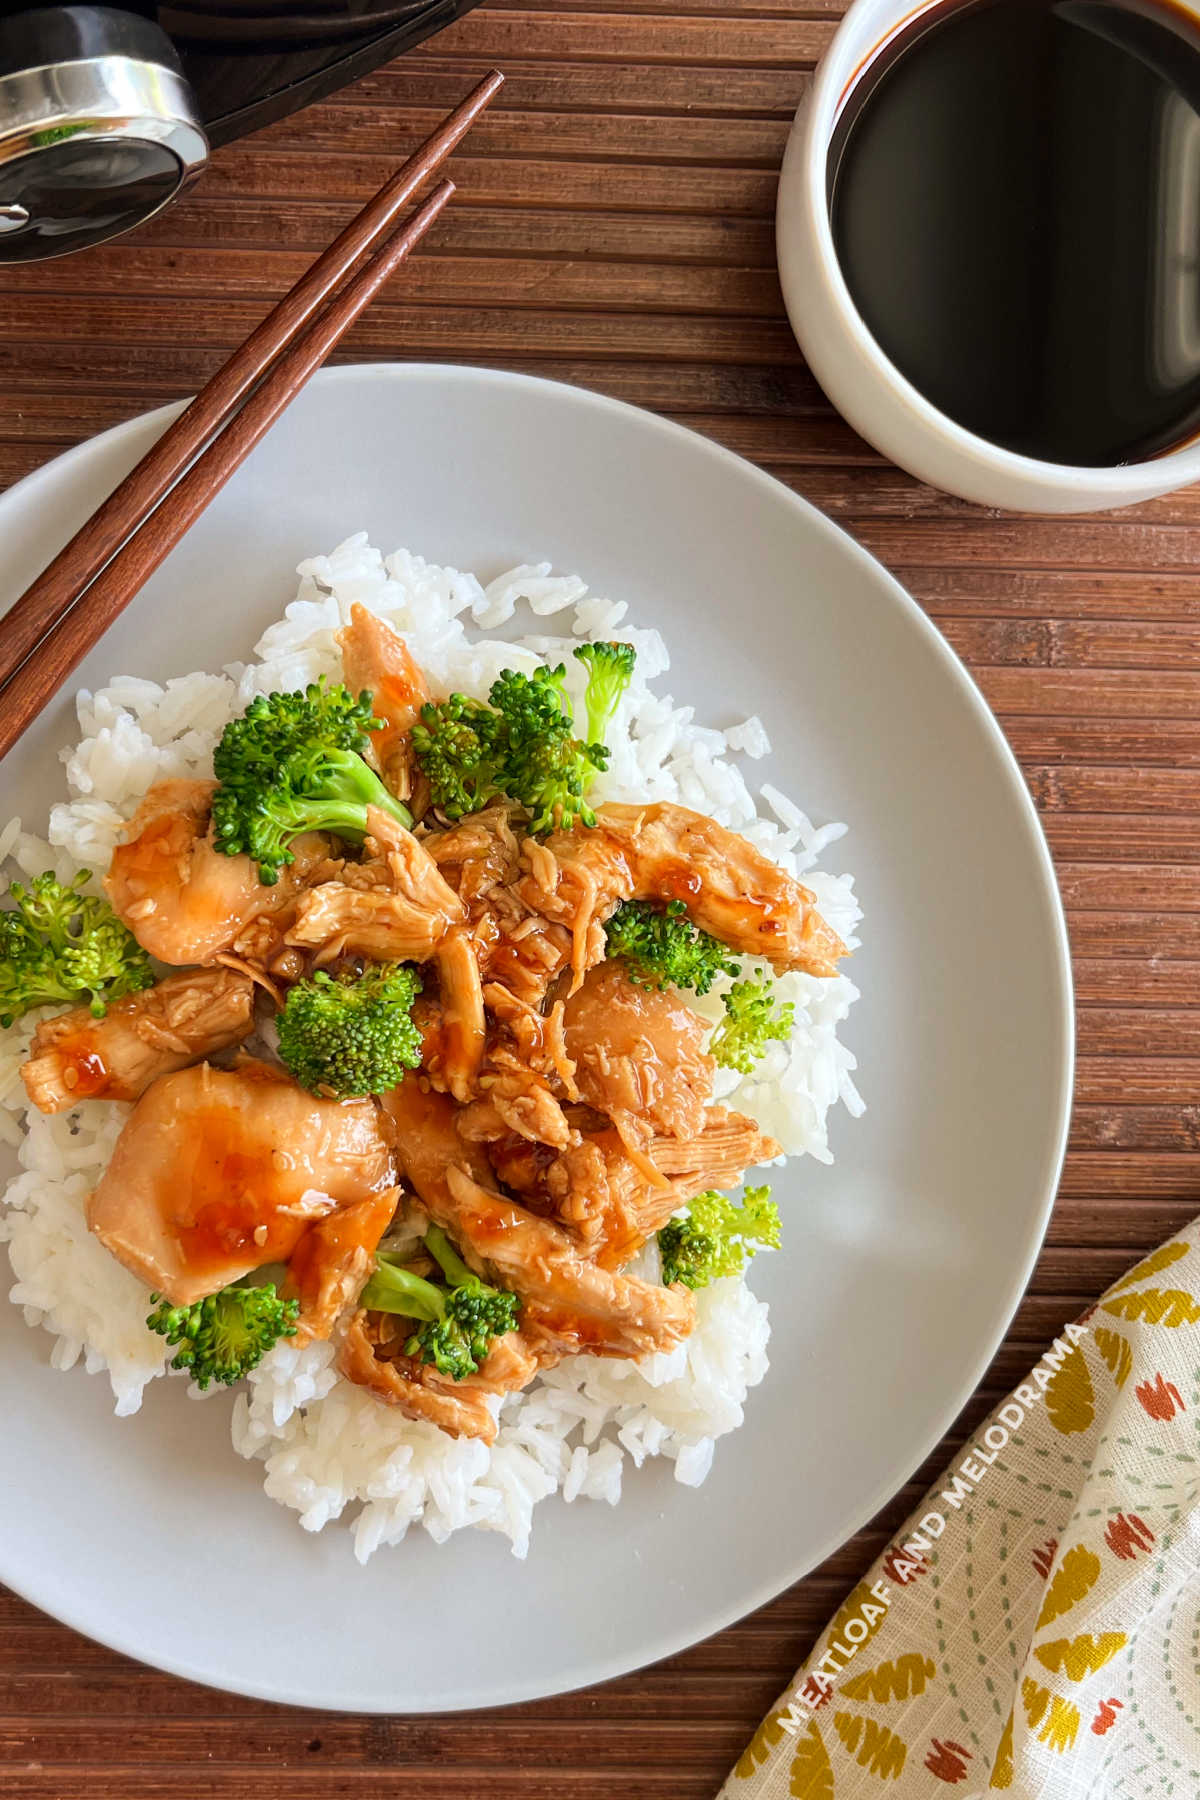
(902, 1264)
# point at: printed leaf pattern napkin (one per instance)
(1034, 1630)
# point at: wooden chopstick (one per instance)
(79, 562)
(81, 626)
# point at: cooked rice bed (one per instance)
(329, 1449)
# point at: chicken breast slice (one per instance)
(184, 900)
(219, 1171)
(666, 852)
(376, 658)
(333, 1261)
(76, 1057)
(639, 1053)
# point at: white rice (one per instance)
(329, 1450)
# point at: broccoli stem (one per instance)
(350, 785)
(393, 1289)
(443, 1252)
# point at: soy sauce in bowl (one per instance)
(1014, 190)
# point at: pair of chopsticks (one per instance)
(66, 611)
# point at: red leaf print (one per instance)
(1126, 1535)
(948, 1761)
(1043, 1557)
(1106, 1717)
(1162, 1399)
(903, 1566)
(816, 1694)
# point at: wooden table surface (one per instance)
(614, 228)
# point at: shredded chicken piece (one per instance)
(372, 1356)
(463, 1031)
(76, 1057)
(666, 852)
(219, 1171)
(519, 951)
(479, 854)
(393, 907)
(574, 1305)
(334, 920)
(375, 658)
(639, 1055)
(518, 1100)
(601, 1194)
(333, 1260)
(592, 1187)
(184, 900)
(718, 1156)
(538, 1039)
(577, 1305)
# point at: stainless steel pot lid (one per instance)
(98, 128)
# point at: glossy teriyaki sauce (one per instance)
(1015, 196)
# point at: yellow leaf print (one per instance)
(1070, 1401)
(1078, 1571)
(1080, 1656)
(1157, 1306)
(1151, 1265)
(1062, 1727)
(908, 1675)
(1059, 1726)
(1002, 1767)
(1116, 1352)
(873, 1746)
(1035, 1700)
(759, 1749)
(812, 1777)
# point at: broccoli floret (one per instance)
(225, 1335)
(523, 743)
(459, 1320)
(59, 946)
(348, 1035)
(459, 747)
(752, 1020)
(660, 947)
(718, 1238)
(293, 763)
(545, 768)
(610, 670)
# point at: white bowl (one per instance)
(863, 383)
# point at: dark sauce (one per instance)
(1015, 195)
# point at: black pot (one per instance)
(107, 113)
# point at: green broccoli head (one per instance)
(660, 947)
(717, 1237)
(294, 763)
(545, 767)
(349, 1035)
(523, 743)
(59, 946)
(458, 1321)
(610, 670)
(752, 1021)
(225, 1335)
(457, 744)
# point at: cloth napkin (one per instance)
(1034, 1629)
